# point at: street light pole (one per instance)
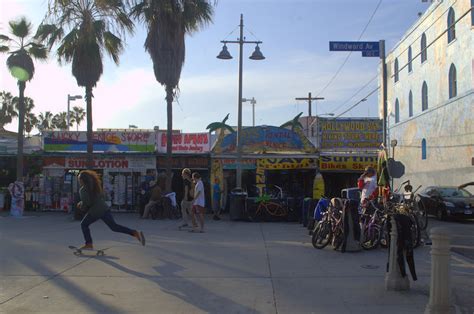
(256, 55)
(309, 98)
(69, 98)
(253, 102)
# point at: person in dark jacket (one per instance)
(92, 202)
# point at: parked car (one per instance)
(447, 201)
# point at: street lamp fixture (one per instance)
(69, 98)
(225, 55)
(253, 102)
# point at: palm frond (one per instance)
(4, 49)
(20, 28)
(4, 38)
(113, 46)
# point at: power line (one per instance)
(355, 94)
(349, 54)
(357, 103)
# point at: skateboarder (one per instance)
(92, 201)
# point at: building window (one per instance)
(409, 60)
(410, 104)
(424, 54)
(395, 70)
(472, 12)
(423, 149)
(424, 97)
(397, 111)
(451, 26)
(453, 89)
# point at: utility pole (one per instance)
(384, 90)
(309, 99)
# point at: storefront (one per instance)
(347, 147)
(121, 178)
(271, 156)
(127, 159)
(190, 150)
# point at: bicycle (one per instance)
(329, 229)
(372, 225)
(266, 206)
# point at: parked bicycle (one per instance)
(330, 228)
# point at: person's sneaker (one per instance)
(185, 225)
(87, 246)
(140, 237)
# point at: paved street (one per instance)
(235, 267)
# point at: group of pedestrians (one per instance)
(193, 204)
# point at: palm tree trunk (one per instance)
(90, 147)
(169, 136)
(21, 126)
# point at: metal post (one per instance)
(384, 89)
(394, 279)
(68, 101)
(253, 102)
(440, 274)
(239, 116)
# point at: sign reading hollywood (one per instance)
(184, 143)
(350, 133)
(103, 141)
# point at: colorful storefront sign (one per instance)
(103, 141)
(346, 163)
(245, 164)
(281, 164)
(180, 162)
(264, 139)
(116, 163)
(350, 133)
(184, 143)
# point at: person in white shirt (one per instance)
(367, 182)
(198, 202)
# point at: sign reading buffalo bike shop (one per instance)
(105, 141)
(350, 133)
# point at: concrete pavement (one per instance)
(235, 267)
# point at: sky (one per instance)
(295, 36)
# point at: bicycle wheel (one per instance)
(415, 231)
(372, 235)
(337, 237)
(276, 210)
(321, 234)
(421, 214)
(254, 214)
(384, 234)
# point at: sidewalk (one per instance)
(235, 267)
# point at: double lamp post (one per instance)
(225, 55)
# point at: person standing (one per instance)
(93, 202)
(187, 201)
(198, 202)
(367, 182)
(216, 199)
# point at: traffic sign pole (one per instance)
(384, 90)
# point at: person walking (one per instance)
(216, 199)
(198, 202)
(92, 201)
(155, 197)
(367, 182)
(187, 201)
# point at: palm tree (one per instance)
(30, 122)
(21, 66)
(84, 31)
(77, 116)
(30, 118)
(60, 121)
(45, 121)
(167, 22)
(7, 111)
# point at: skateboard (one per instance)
(78, 252)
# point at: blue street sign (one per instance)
(354, 46)
(368, 53)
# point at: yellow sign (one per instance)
(346, 163)
(287, 163)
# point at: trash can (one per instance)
(237, 204)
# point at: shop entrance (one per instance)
(335, 182)
(296, 183)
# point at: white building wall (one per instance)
(448, 124)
